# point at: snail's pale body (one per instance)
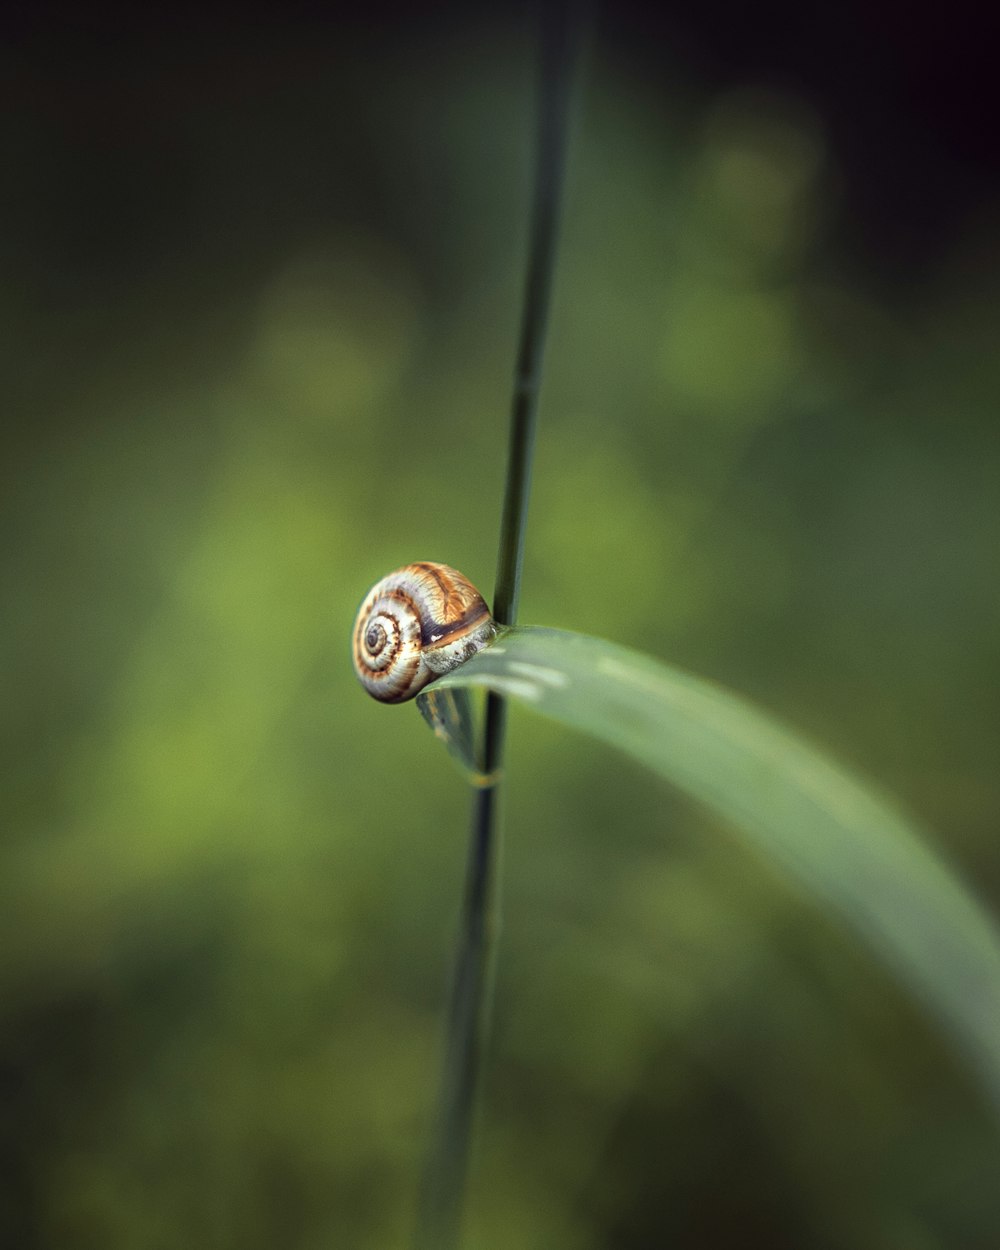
(414, 625)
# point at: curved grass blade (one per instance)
(851, 847)
(449, 714)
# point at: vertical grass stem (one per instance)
(439, 1223)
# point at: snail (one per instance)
(418, 623)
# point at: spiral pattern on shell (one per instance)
(414, 625)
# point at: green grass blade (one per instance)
(449, 715)
(847, 844)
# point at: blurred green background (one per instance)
(262, 283)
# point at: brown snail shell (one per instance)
(421, 621)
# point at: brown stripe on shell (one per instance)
(397, 678)
(453, 605)
(453, 632)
